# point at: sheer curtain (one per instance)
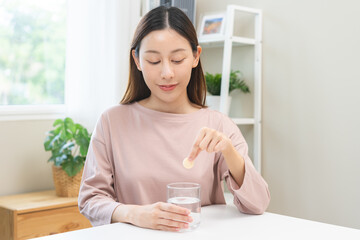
(98, 41)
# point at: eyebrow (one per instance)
(174, 51)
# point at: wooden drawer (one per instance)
(42, 223)
(38, 214)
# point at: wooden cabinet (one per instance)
(38, 214)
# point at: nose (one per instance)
(167, 71)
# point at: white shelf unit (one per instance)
(228, 42)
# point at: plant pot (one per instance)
(213, 102)
(66, 186)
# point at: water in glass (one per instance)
(191, 203)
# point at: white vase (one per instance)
(213, 102)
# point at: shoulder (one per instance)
(114, 114)
(112, 118)
(116, 110)
(217, 116)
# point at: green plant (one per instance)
(68, 143)
(213, 83)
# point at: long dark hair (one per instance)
(157, 19)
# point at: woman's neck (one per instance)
(179, 107)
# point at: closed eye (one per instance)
(178, 61)
(154, 63)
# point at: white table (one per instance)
(220, 222)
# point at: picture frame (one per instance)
(212, 26)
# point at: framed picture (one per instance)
(212, 26)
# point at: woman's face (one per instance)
(166, 61)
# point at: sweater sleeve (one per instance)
(97, 199)
(253, 196)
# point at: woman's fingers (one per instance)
(209, 140)
(168, 207)
(162, 216)
(204, 143)
(172, 224)
(175, 217)
(196, 149)
(194, 153)
(201, 142)
(220, 146)
(172, 217)
(214, 142)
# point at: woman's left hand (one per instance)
(210, 140)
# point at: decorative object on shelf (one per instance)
(68, 143)
(213, 85)
(212, 26)
(213, 82)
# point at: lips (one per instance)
(168, 87)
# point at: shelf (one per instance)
(219, 42)
(243, 121)
(227, 42)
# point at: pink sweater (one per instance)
(135, 152)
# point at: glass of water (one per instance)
(186, 195)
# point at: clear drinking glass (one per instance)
(186, 195)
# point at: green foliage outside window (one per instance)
(32, 52)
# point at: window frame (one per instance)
(32, 112)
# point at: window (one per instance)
(32, 52)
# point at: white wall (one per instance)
(311, 113)
(23, 160)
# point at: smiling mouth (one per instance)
(167, 87)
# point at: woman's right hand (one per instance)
(160, 216)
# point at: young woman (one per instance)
(138, 146)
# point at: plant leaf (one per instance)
(69, 125)
(58, 122)
(236, 81)
(65, 136)
(80, 159)
(67, 147)
(72, 168)
(61, 158)
(50, 141)
(82, 140)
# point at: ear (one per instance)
(197, 56)
(136, 60)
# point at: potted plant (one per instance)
(68, 143)
(213, 85)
